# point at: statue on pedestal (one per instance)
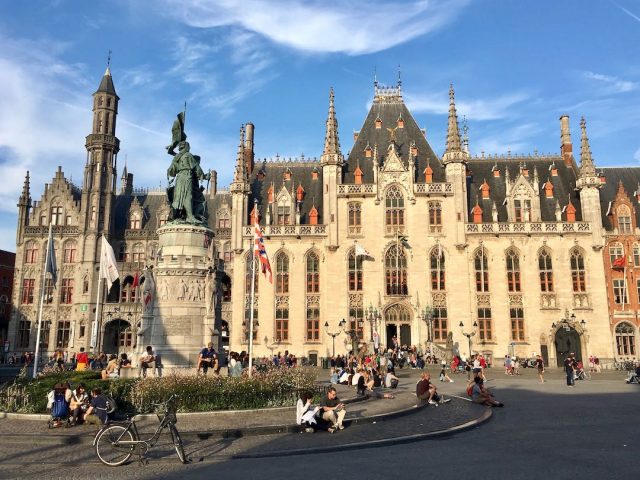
(186, 197)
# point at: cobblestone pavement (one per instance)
(545, 430)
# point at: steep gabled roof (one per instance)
(630, 178)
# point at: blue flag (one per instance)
(51, 258)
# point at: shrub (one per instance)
(198, 393)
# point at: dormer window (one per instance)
(368, 152)
(357, 174)
(522, 210)
(287, 175)
(378, 123)
(134, 221)
(314, 175)
(300, 193)
(623, 213)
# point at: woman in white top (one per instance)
(305, 415)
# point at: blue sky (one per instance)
(516, 66)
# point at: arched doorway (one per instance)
(398, 322)
(567, 340)
(118, 337)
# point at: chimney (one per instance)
(566, 147)
(248, 147)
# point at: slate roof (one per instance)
(480, 169)
(301, 173)
(630, 178)
(106, 84)
(389, 112)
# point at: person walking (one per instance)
(540, 367)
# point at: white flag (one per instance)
(361, 251)
(108, 266)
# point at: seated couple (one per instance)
(328, 416)
(480, 395)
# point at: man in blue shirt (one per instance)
(97, 414)
(207, 358)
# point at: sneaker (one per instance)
(450, 381)
(431, 402)
(308, 430)
(331, 430)
(445, 400)
(341, 427)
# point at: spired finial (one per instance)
(399, 77)
(109, 59)
(375, 76)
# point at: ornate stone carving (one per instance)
(355, 299)
(282, 300)
(548, 301)
(483, 299)
(581, 300)
(515, 300)
(439, 299)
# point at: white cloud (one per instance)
(611, 84)
(493, 108)
(352, 27)
(515, 139)
(636, 156)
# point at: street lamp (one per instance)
(352, 333)
(333, 336)
(470, 334)
(373, 316)
(568, 322)
(427, 318)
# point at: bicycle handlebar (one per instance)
(167, 401)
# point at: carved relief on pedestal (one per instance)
(548, 300)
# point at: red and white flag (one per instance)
(260, 252)
(620, 262)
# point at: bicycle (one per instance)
(117, 442)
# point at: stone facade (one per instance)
(512, 244)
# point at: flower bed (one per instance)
(273, 388)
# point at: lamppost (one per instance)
(333, 336)
(373, 316)
(470, 334)
(427, 318)
(273, 346)
(352, 333)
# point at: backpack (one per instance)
(60, 408)
(111, 405)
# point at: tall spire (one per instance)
(331, 152)
(106, 84)
(25, 198)
(453, 151)
(240, 173)
(587, 168)
(453, 134)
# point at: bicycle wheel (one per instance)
(108, 452)
(177, 442)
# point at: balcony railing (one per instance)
(529, 227)
(289, 230)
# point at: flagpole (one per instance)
(253, 298)
(94, 328)
(44, 279)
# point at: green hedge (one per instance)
(197, 393)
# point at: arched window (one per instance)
(282, 274)
(513, 271)
(134, 221)
(616, 251)
(138, 253)
(224, 219)
(123, 253)
(624, 219)
(355, 271)
(546, 271)
(395, 264)
(227, 254)
(394, 213)
(625, 339)
(70, 250)
(251, 259)
(283, 212)
(435, 217)
(636, 255)
(313, 273)
(31, 252)
(578, 274)
(355, 219)
(481, 267)
(436, 265)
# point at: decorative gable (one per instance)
(392, 162)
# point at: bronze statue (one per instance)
(186, 197)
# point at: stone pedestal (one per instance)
(180, 326)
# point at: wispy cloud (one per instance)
(636, 156)
(516, 139)
(611, 84)
(628, 12)
(354, 27)
(492, 108)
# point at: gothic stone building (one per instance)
(515, 249)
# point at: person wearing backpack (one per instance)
(99, 408)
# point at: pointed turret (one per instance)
(453, 133)
(331, 153)
(240, 173)
(106, 84)
(24, 205)
(587, 168)
(25, 198)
